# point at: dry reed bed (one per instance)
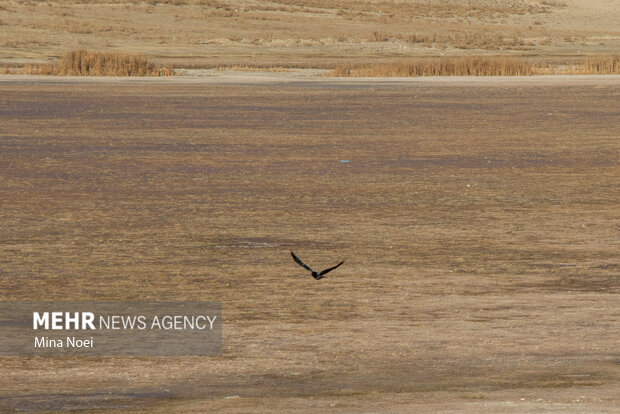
(93, 63)
(478, 66)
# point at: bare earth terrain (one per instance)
(307, 33)
(478, 220)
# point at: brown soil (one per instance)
(478, 221)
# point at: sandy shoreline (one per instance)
(311, 76)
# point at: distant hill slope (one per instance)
(306, 33)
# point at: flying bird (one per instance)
(317, 275)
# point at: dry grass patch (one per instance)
(93, 63)
(478, 66)
(465, 41)
(602, 64)
(454, 66)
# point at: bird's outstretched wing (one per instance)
(330, 269)
(300, 263)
